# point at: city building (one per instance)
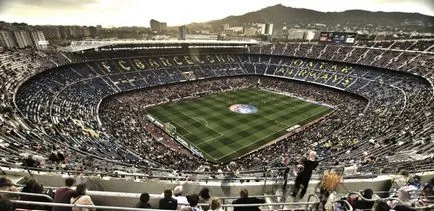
(157, 26)
(295, 34)
(233, 31)
(249, 31)
(201, 37)
(183, 31)
(268, 29)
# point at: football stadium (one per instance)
(96, 118)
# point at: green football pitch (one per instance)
(223, 135)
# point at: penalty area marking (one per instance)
(189, 132)
(195, 118)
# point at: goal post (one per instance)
(170, 128)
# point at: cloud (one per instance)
(3, 5)
(174, 12)
(46, 3)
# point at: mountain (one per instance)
(281, 15)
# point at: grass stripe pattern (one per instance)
(223, 135)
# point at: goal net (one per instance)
(171, 129)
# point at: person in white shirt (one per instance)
(79, 197)
(177, 194)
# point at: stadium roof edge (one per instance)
(92, 44)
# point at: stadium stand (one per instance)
(81, 112)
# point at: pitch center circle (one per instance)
(243, 109)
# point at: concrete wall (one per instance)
(126, 191)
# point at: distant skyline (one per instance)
(176, 12)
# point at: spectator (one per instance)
(30, 162)
(363, 204)
(415, 183)
(328, 184)
(427, 195)
(64, 195)
(214, 205)
(193, 201)
(32, 186)
(79, 197)
(144, 201)
(400, 180)
(5, 205)
(204, 198)
(403, 196)
(168, 202)
(245, 199)
(401, 207)
(306, 167)
(380, 205)
(6, 185)
(177, 194)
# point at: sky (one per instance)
(175, 12)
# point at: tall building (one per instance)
(157, 26)
(183, 31)
(22, 38)
(38, 39)
(269, 29)
(249, 31)
(261, 28)
(6, 39)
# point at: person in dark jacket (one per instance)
(168, 202)
(5, 205)
(380, 205)
(305, 167)
(245, 199)
(144, 201)
(204, 198)
(64, 195)
(363, 204)
(32, 186)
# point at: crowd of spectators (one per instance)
(408, 194)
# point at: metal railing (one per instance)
(93, 207)
(350, 208)
(227, 175)
(318, 200)
(80, 207)
(258, 196)
(28, 194)
(391, 199)
(181, 178)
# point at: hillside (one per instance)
(281, 15)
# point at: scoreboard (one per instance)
(337, 37)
